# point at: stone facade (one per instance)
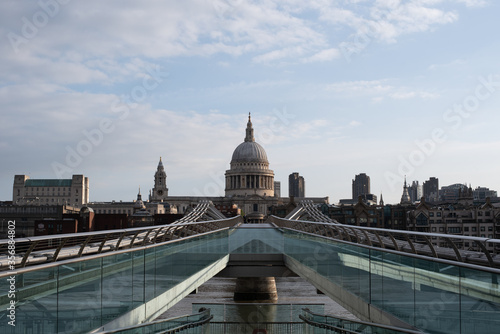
(160, 191)
(74, 191)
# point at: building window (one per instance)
(255, 207)
(422, 220)
(441, 229)
(466, 228)
(474, 229)
(438, 214)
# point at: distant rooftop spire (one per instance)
(249, 137)
(160, 165)
(405, 198)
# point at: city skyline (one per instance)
(384, 88)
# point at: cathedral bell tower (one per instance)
(160, 190)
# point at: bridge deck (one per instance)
(132, 285)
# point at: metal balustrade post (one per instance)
(120, 240)
(414, 251)
(56, 253)
(85, 243)
(144, 241)
(27, 254)
(396, 246)
(369, 241)
(133, 239)
(381, 243)
(455, 249)
(485, 251)
(433, 250)
(157, 233)
(101, 246)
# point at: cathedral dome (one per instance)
(249, 173)
(249, 152)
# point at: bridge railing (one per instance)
(330, 324)
(52, 248)
(195, 323)
(418, 243)
(430, 293)
(82, 294)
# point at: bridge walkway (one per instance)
(130, 286)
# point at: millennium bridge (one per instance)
(120, 281)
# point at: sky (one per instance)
(335, 88)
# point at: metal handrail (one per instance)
(343, 330)
(47, 265)
(406, 245)
(205, 318)
(42, 249)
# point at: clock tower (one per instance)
(160, 190)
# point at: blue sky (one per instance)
(335, 88)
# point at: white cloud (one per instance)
(324, 55)
(360, 88)
(474, 3)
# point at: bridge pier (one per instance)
(255, 290)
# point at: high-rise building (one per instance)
(296, 185)
(415, 192)
(431, 190)
(360, 186)
(277, 189)
(481, 193)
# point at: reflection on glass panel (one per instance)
(138, 278)
(480, 307)
(397, 286)
(163, 268)
(33, 314)
(376, 272)
(253, 240)
(149, 273)
(79, 297)
(437, 299)
(116, 286)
